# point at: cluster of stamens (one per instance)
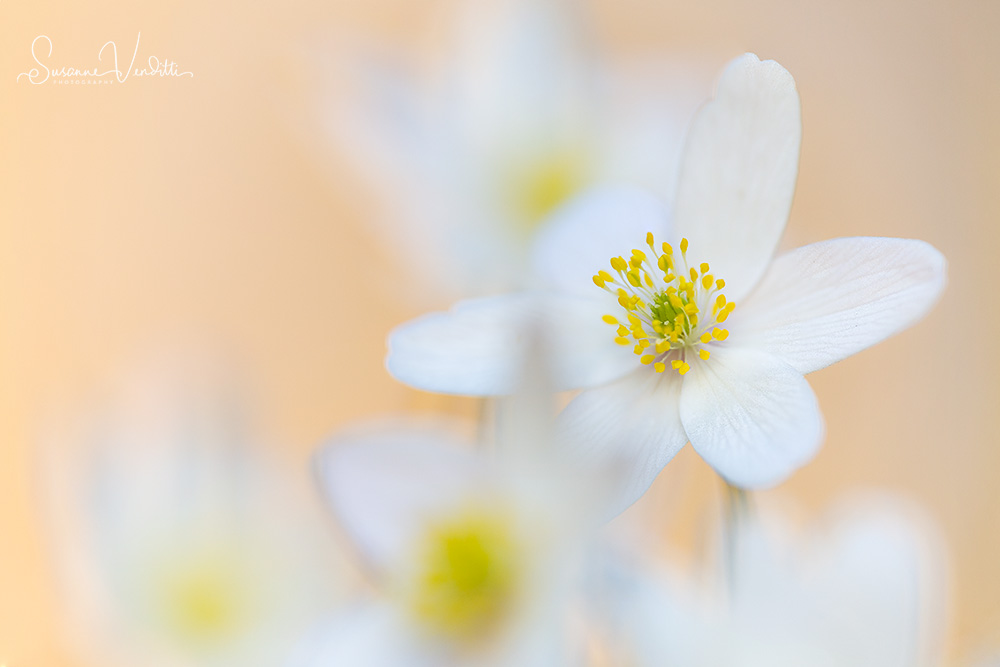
(672, 308)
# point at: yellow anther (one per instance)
(724, 313)
(670, 312)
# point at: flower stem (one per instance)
(737, 508)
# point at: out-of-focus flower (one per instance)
(179, 542)
(475, 558)
(522, 117)
(865, 589)
(672, 372)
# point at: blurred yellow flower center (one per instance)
(466, 576)
(203, 600)
(538, 186)
(671, 309)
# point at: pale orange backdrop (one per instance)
(158, 210)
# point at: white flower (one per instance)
(522, 116)
(711, 353)
(474, 560)
(179, 542)
(866, 588)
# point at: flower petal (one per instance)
(373, 634)
(738, 172)
(581, 238)
(380, 483)
(751, 416)
(479, 347)
(824, 302)
(630, 428)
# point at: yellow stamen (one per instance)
(682, 315)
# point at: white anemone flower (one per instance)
(704, 336)
(866, 588)
(521, 115)
(178, 541)
(474, 559)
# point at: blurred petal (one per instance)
(521, 67)
(372, 635)
(824, 302)
(631, 427)
(381, 484)
(738, 172)
(583, 236)
(751, 416)
(479, 348)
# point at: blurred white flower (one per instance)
(475, 559)
(522, 115)
(178, 541)
(738, 393)
(864, 589)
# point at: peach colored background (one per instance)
(165, 209)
